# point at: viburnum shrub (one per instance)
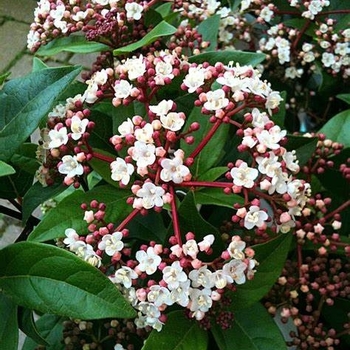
(177, 210)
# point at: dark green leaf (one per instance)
(191, 220)
(271, 257)
(213, 173)
(3, 77)
(51, 280)
(161, 30)
(338, 128)
(178, 333)
(51, 328)
(216, 196)
(72, 43)
(252, 329)
(8, 324)
(57, 221)
(24, 111)
(335, 183)
(209, 29)
(27, 325)
(227, 56)
(304, 147)
(25, 158)
(278, 118)
(37, 195)
(6, 169)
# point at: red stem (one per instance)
(176, 224)
(340, 208)
(103, 157)
(206, 139)
(205, 184)
(122, 225)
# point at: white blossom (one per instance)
(194, 78)
(121, 171)
(215, 100)
(244, 175)
(173, 121)
(111, 243)
(124, 276)
(142, 153)
(173, 170)
(255, 217)
(58, 137)
(70, 166)
(148, 260)
(133, 10)
(149, 196)
(78, 127)
(174, 275)
(235, 269)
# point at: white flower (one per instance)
(194, 78)
(291, 161)
(122, 89)
(163, 70)
(70, 166)
(260, 119)
(235, 269)
(273, 100)
(254, 217)
(215, 100)
(173, 121)
(200, 300)
(268, 165)
(202, 277)
(135, 67)
(190, 248)
(173, 170)
(90, 94)
(58, 137)
(121, 171)
(71, 238)
(78, 127)
(124, 276)
(149, 195)
(180, 294)
(207, 242)
(328, 59)
(119, 347)
(174, 275)
(133, 10)
(235, 249)
(111, 243)
(148, 261)
(145, 133)
(266, 14)
(162, 108)
(159, 296)
(244, 176)
(221, 278)
(142, 153)
(126, 128)
(270, 138)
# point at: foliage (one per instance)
(179, 207)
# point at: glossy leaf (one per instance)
(28, 327)
(213, 174)
(72, 43)
(227, 56)
(8, 324)
(338, 128)
(253, 329)
(344, 97)
(178, 333)
(38, 64)
(51, 280)
(6, 169)
(303, 146)
(216, 196)
(161, 30)
(51, 329)
(271, 257)
(18, 112)
(57, 219)
(16, 184)
(37, 195)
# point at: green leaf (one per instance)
(252, 329)
(27, 325)
(3, 77)
(72, 43)
(209, 29)
(216, 196)
(344, 97)
(338, 128)
(227, 56)
(334, 181)
(51, 329)
(159, 31)
(15, 185)
(178, 333)
(38, 64)
(57, 221)
(278, 118)
(24, 111)
(8, 324)
(191, 220)
(271, 257)
(213, 173)
(6, 169)
(25, 158)
(51, 280)
(164, 9)
(212, 151)
(37, 195)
